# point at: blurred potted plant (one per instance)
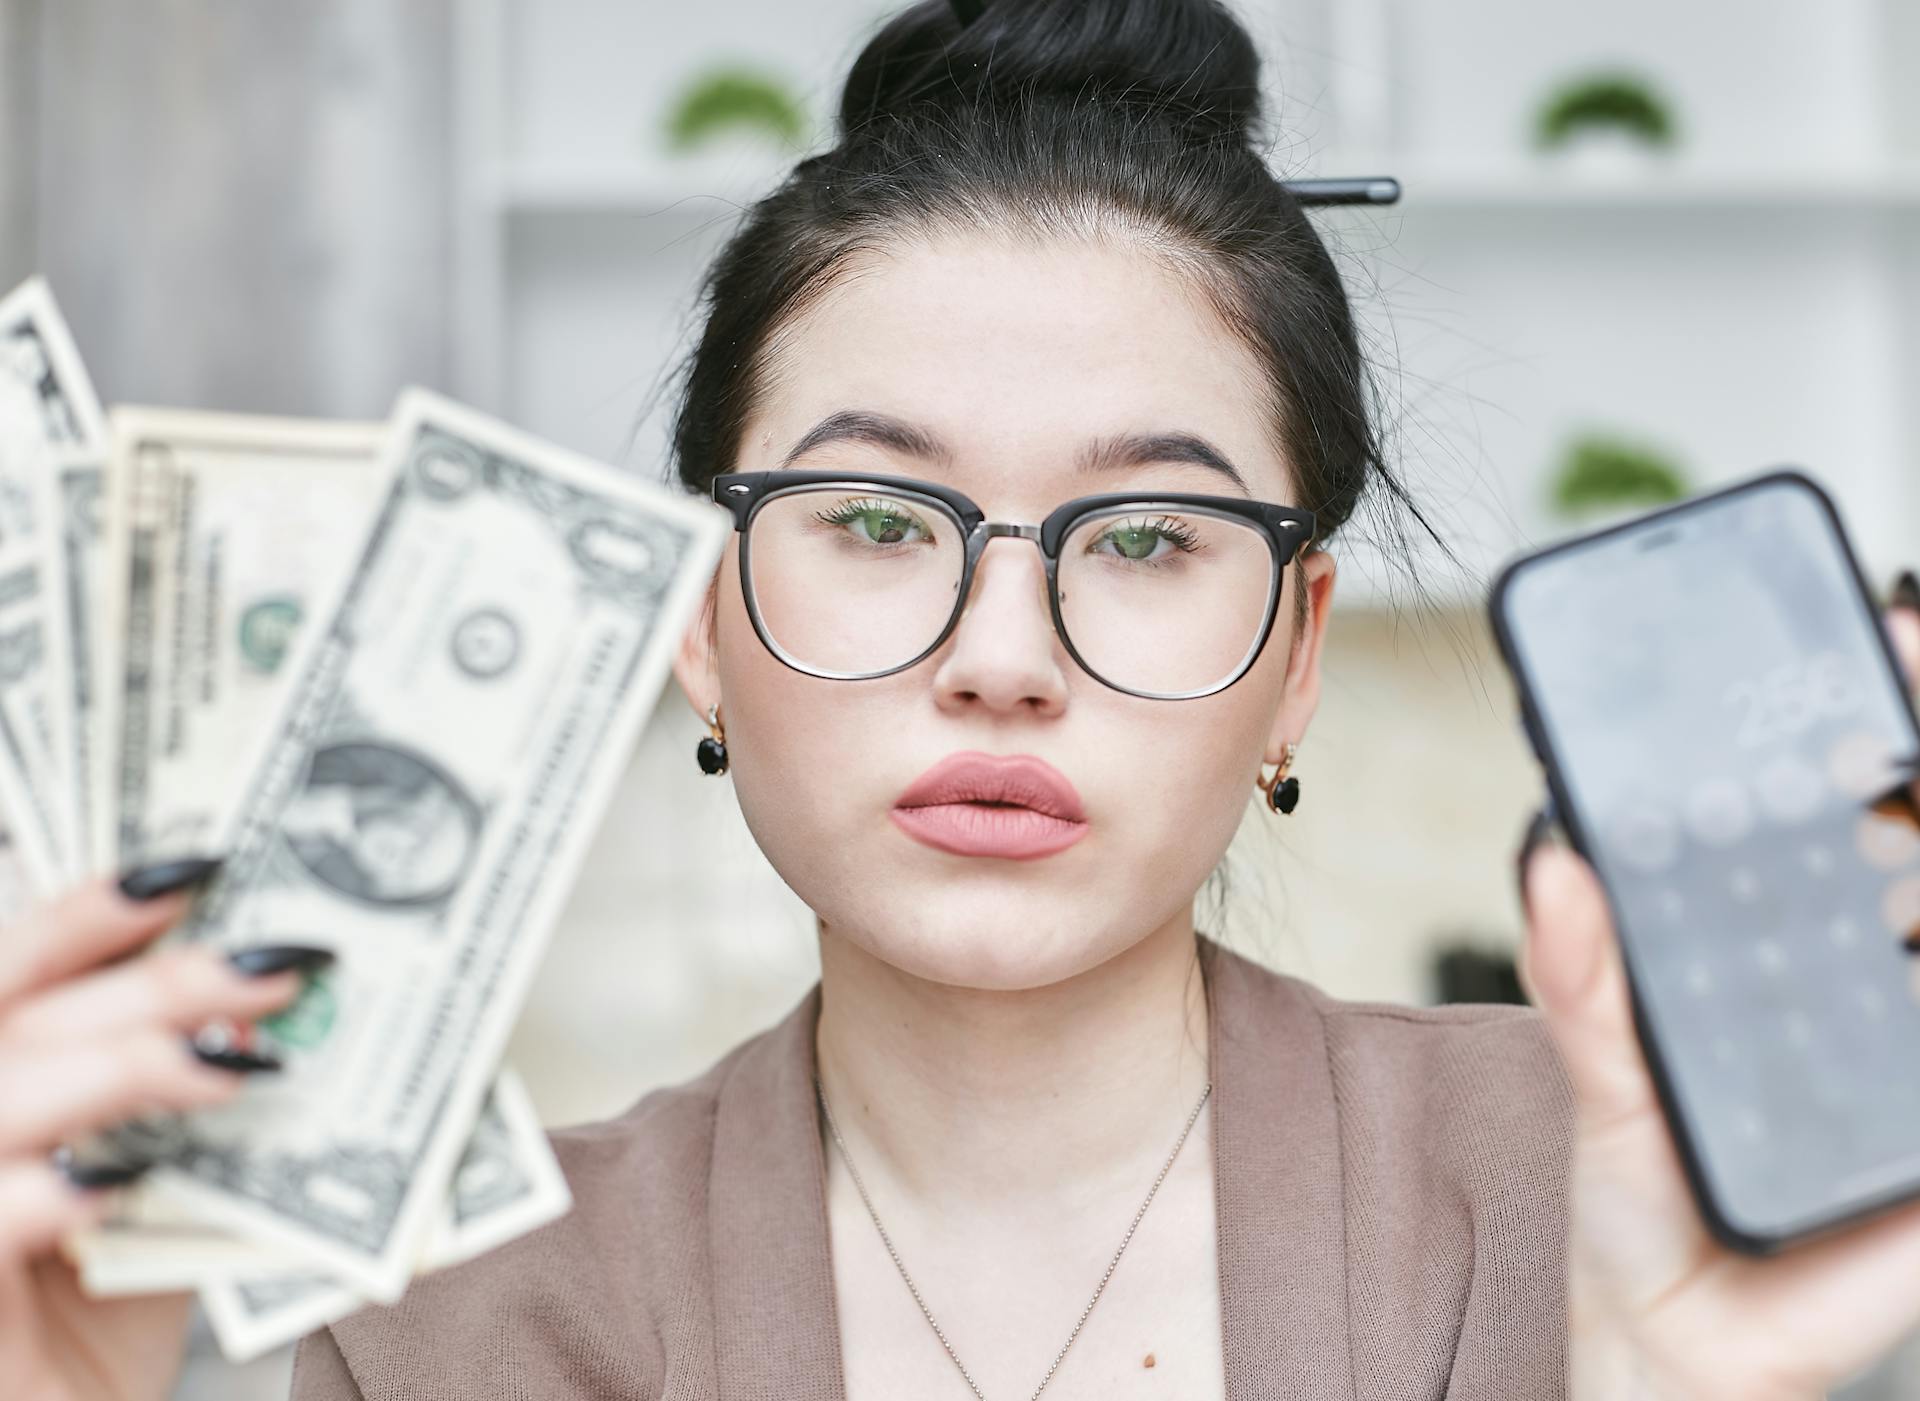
(1604, 475)
(1605, 120)
(735, 102)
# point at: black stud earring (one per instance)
(712, 751)
(1283, 793)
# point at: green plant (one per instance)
(1613, 100)
(734, 99)
(1600, 470)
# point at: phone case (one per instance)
(1726, 1231)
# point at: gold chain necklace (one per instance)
(913, 1289)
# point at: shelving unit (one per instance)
(1748, 302)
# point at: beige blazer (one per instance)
(1390, 1193)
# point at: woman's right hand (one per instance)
(86, 1042)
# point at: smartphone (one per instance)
(1726, 733)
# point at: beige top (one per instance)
(1390, 1197)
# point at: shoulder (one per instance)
(1474, 1089)
(1464, 1110)
(602, 1296)
(653, 1151)
(1456, 1139)
(1482, 1084)
(1467, 1105)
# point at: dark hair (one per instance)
(1070, 116)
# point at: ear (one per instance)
(696, 661)
(1314, 573)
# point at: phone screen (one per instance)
(1723, 714)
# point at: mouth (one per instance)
(1017, 807)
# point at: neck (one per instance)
(963, 1095)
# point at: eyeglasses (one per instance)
(1162, 595)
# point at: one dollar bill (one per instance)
(224, 531)
(457, 716)
(507, 1184)
(48, 415)
(150, 1246)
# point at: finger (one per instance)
(1848, 1296)
(176, 988)
(88, 924)
(1577, 979)
(38, 1206)
(63, 1093)
(1903, 627)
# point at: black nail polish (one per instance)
(1898, 802)
(164, 877)
(91, 1177)
(1530, 841)
(246, 1061)
(1906, 591)
(265, 959)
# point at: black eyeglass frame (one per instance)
(1289, 530)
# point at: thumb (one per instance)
(1576, 977)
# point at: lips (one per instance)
(1014, 806)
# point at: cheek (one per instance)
(1208, 755)
(795, 745)
(1202, 771)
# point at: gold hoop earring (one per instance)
(712, 751)
(1283, 793)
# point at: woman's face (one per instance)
(1011, 356)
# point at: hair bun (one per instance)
(1189, 60)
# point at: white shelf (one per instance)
(701, 187)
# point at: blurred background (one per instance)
(1644, 248)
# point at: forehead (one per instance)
(1015, 354)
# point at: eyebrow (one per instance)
(881, 430)
(1102, 455)
(1139, 449)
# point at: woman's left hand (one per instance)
(1659, 1309)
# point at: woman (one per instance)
(1031, 1131)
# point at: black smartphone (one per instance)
(1729, 740)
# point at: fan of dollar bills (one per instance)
(390, 672)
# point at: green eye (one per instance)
(878, 522)
(1134, 542)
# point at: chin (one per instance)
(997, 942)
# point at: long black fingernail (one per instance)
(1530, 841)
(1906, 591)
(94, 1177)
(265, 959)
(246, 1061)
(164, 877)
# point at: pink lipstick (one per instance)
(1016, 806)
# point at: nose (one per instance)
(1004, 654)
